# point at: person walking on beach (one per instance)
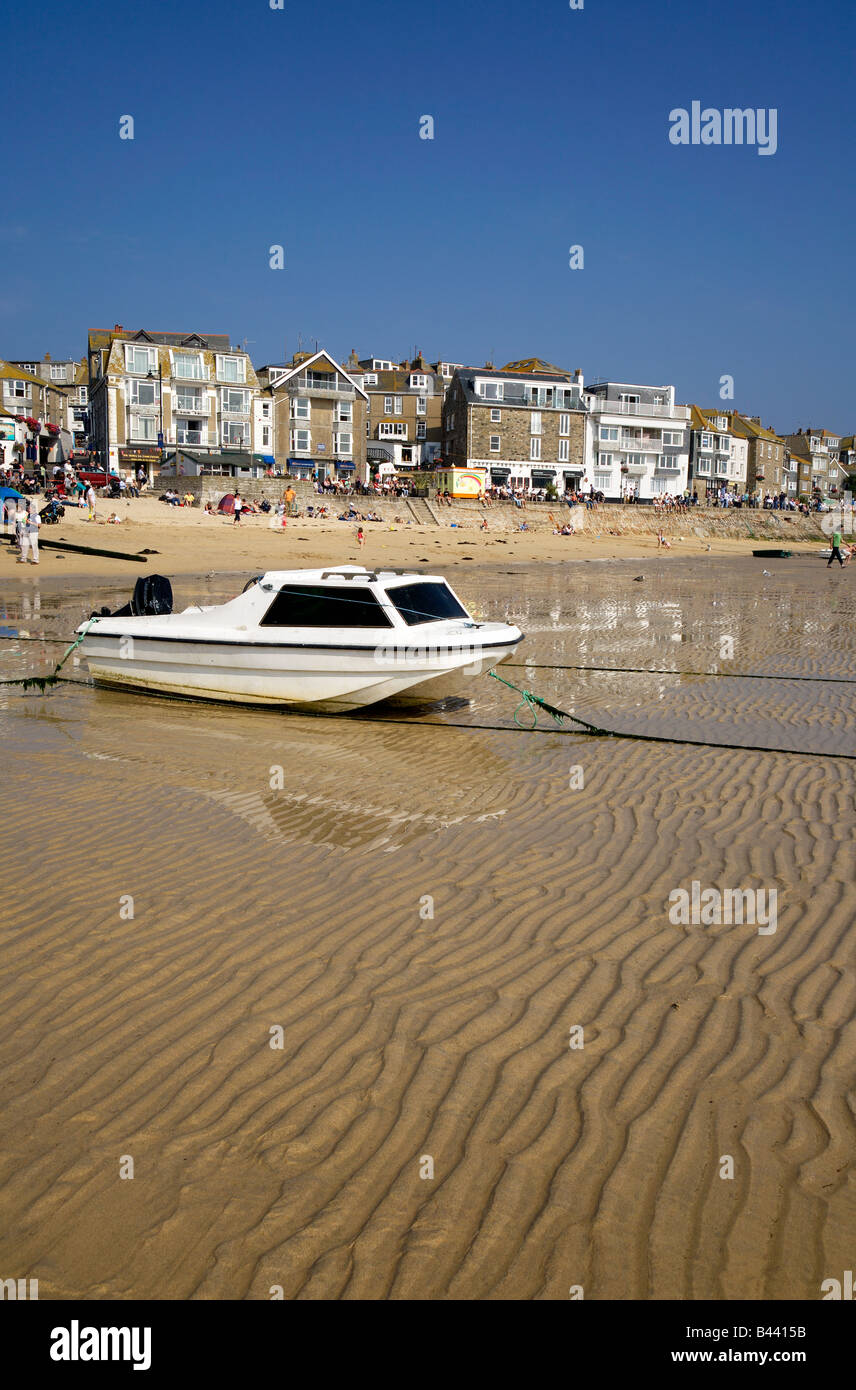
(239, 507)
(361, 540)
(836, 550)
(20, 528)
(90, 502)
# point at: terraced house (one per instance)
(525, 422)
(152, 393)
(319, 417)
(766, 459)
(26, 396)
(404, 412)
(818, 455)
(719, 453)
(638, 440)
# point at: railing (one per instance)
(599, 406)
(190, 437)
(203, 375)
(230, 414)
(189, 405)
(304, 384)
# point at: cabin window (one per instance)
(325, 605)
(426, 603)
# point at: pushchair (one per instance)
(52, 512)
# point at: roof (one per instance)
(308, 361)
(753, 429)
(535, 366)
(551, 374)
(9, 372)
(104, 337)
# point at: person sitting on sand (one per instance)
(661, 541)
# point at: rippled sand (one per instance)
(407, 1036)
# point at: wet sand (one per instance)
(406, 1035)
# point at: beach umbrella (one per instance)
(7, 492)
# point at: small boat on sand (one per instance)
(330, 640)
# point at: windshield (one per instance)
(425, 603)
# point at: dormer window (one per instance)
(140, 359)
(370, 379)
(491, 390)
(722, 422)
(418, 381)
(231, 368)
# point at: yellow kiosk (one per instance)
(462, 482)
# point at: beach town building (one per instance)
(524, 423)
(718, 453)
(847, 459)
(765, 470)
(638, 440)
(35, 417)
(318, 417)
(151, 393)
(821, 450)
(404, 413)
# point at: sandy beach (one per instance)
(338, 1035)
(188, 541)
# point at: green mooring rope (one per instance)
(534, 703)
(43, 682)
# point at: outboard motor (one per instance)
(152, 598)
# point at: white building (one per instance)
(637, 440)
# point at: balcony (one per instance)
(329, 388)
(191, 436)
(202, 374)
(189, 405)
(598, 406)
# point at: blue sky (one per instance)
(300, 127)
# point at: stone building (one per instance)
(719, 452)
(819, 455)
(766, 468)
(525, 422)
(404, 412)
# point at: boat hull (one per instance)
(327, 681)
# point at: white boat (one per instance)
(331, 640)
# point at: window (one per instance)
(707, 441)
(370, 379)
(421, 430)
(144, 427)
(627, 398)
(57, 371)
(535, 447)
(144, 392)
(18, 390)
(265, 410)
(450, 420)
(564, 424)
(236, 432)
(389, 429)
(673, 437)
(604, 461)
(425, 603)
(140, 359)
(602, 481)
(237, 402)
(491, 390)
(326, 605)
(494, 444)
(231, 368)
(722, 422)
(301, 408)
(387, 405)
(343, 444)
(189, 365)
(609, 432)
(82, 395)
(265, 436)
(658, 399)
(397, 410)
(188, 402)
(495, 416)
(344, 412)
(417, 381)
(659, 484)
(301, 441)
(535, 422)
(421, 405)
(564, 450)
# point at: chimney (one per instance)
(117, 328)
(47, 357)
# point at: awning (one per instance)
(542, 477)
(343, 463)
(500, 472)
